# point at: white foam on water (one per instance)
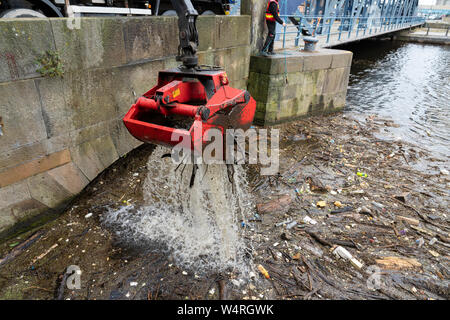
(198, 225)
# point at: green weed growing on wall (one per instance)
(50, 64)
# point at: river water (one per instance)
(408, 83)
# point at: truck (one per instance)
(70, 8)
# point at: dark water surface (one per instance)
(408, 83)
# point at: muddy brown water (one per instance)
(320, 157)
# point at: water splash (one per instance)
(198, 225)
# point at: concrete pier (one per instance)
(297, 83)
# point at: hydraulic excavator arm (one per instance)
(187, 18)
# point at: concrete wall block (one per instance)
(243, 25)
(169, 63)
(14, 157)
(56, 144)
(99, 42)
(302, 106)
(345, 79)
(14, 193)
(313, 83)
(246, 67)
(22, 42)
(293, 108)
(222, 58)
(273, 106)
(206, 38)
(231, 31)
(270, 118)
(85, 157)
(279, 64)
(289, 91)
(259, 118)
(234, 61)
(317, 61)
(148, 38)
(315, 80)
(310, 88)
(239, 84)
(24, 209)
(274, 81)
(7, 219)
(92, 95)
(336, 80)
(258, 88)
(105, 149)
(275, 97)
(206, 57)
(254, 77)
(27, 153)
(261, 107)
(23, 171)
(241, 55)
(306, 103)
(282, 64)
(297, 78)
(286, 109)
(89, 133)
(45, 189)
(342, 59)
(124, 93)
(339, 100)
(21, 111)
(260, 64)
(318, 104)
(328, 102)
(57, 115)
(290, 65)
(70, 177)
(124, 142)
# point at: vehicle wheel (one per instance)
(169, 13)
(208, 13)
(21, 13)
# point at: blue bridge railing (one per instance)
(332, 30)
(433, 14)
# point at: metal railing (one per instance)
(433, 14)
(333, 30)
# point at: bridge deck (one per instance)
(340, 32)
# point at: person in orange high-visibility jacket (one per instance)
(272, 17)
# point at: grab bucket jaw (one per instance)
(186, 104)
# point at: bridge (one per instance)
(436, 11)
(336, 22)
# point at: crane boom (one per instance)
(187, 19)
